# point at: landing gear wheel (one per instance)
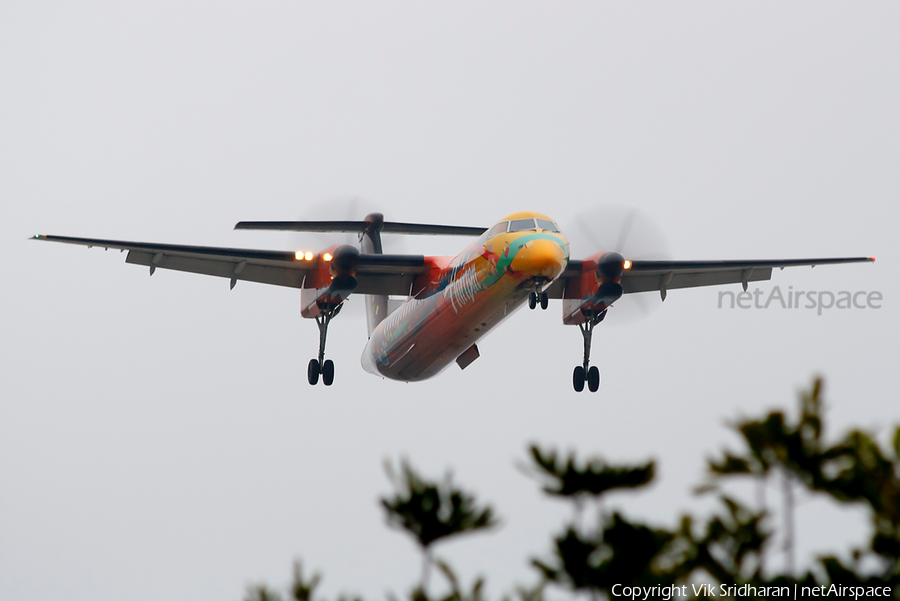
(312, 372)
(545, 300)
(532, 300)
(328, 373)
(323, 366)
(578, 378)
(593, 379)
(584, 372)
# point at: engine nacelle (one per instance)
(328, 284)
(596, 289)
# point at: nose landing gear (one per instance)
(585, 372)
(538, 297)
(322, 366)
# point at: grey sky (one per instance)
(157, 436)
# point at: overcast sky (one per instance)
(158, 439)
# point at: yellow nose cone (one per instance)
(540, 258)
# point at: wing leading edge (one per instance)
(394, 274)
(376, 274)
(645, 276)
(649, 276)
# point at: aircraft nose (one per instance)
(541, 258)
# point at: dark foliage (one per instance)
(728, 547)
(593, 479)
(430, 511)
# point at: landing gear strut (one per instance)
(322, 366)
(584, 372)
(538, 297)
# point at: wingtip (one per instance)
(37, 237)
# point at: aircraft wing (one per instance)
(646, 276)
(376, 274)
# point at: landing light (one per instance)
(300, 255)
(327, 256)
(626, 265)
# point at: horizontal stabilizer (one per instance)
(390, 227)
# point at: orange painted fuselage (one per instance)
(457, 301)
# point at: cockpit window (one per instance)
(547, 226)
(500, 228)
(521, 225)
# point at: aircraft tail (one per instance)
(378, 306)
(370, 244)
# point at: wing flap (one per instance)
(238, 270)
(648, 276)
(384, 284)
(376, 274)
(391, 264)
(668, 280)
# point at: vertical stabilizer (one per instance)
(370, 244)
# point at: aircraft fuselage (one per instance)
(453, 305)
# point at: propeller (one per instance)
(348, 208)
(628, 232)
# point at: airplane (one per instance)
(448, 303)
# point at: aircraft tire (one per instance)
(578, 378)
(545, 300)
(593, 379)
(328, 372)
(312, 372)
(532, 300)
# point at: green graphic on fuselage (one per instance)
(507, 256)
(459, 286)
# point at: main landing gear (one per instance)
(322, 366)
(538, 297)
(584, 372)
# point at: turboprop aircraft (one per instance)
(448, 303)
